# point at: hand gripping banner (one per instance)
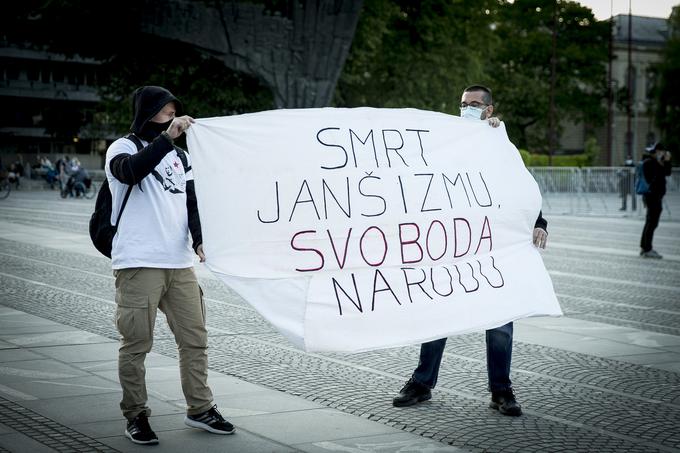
(359, 229)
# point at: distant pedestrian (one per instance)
(626, 181)
(656, 165)
(153, 261)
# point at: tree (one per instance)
(522, 73)
(667, 91)
(418, 54)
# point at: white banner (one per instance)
(358, 229)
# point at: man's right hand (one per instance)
(494, 122)
(179, 125)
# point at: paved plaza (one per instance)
(604, 377)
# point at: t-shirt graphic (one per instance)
(173, 179)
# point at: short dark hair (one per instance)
(488, 99)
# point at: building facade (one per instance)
(48, 106)
(647, 40)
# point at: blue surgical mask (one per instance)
(472, 113)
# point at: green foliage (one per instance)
(667, 90)
(422, 54)
(523, 67)
(570, 160)
(417, 54)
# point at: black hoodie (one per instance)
(132, 168)
(146, 102)
(655, 173)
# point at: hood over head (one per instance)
(146, 102)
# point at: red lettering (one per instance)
(304, 249)
(455, 237)
(414, 241)
(485, 227)
(361, 246)
(344, 255)
(427, 240)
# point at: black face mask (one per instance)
(152, 130)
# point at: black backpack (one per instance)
(101, 230)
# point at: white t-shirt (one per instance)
(154, 228)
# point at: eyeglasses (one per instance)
(472, 104)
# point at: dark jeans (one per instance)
(654, 209)
(498, 357)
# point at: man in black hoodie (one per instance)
(656, 165)
(152, 260)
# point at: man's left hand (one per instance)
(199, 252)
(494, 122)
(540, 238)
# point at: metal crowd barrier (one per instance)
(598, 190)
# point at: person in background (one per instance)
(656, 165)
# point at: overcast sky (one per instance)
(654, 8)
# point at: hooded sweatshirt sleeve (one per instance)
(132, 168)
(194, 217)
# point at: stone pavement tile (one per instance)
(194, 440)
(643, 338)
(267, 401)
(17, 442)
(152, 360)
(219, 384)
(59, 388)
(672, 349)
(116, 426)
(67, 337)
(670, 366)
(10, 394)
(16, 355)
(5, 310)
(4, 429)
(601, 330)
(578, 343)
(90, 408)
(572, 325)
(650, 359)
(81, 352)
(37, 369)
(386, 443)
(293, 428)
(153, 373)
(16, 323)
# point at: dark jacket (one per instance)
(541, 222)
(655, 174)
(131, 169)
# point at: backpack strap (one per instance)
(133, 138)
(183, 157)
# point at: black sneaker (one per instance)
(505, 403)
(412, 393)
(139, 431)
(210, 420)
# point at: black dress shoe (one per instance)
(505, 403)
(412, 393)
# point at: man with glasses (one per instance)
(476, 104)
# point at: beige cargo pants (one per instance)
(140, 293)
